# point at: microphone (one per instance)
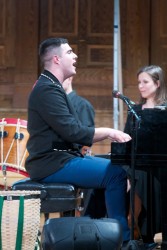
(117, 94)
(128, 102)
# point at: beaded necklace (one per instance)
(50, 79)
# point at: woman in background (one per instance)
(153, 92)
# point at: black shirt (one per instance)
(84, 109)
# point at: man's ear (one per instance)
(56, 59)
(158, 83)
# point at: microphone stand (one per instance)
(135, 125)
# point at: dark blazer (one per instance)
(84, 109)
(53, 127)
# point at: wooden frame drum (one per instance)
(13, 152)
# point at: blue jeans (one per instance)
(95, 172)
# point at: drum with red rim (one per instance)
(13, 152)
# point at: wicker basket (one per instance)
(20, 219)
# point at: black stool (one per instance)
(55, 197)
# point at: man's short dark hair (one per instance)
(50, 43)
